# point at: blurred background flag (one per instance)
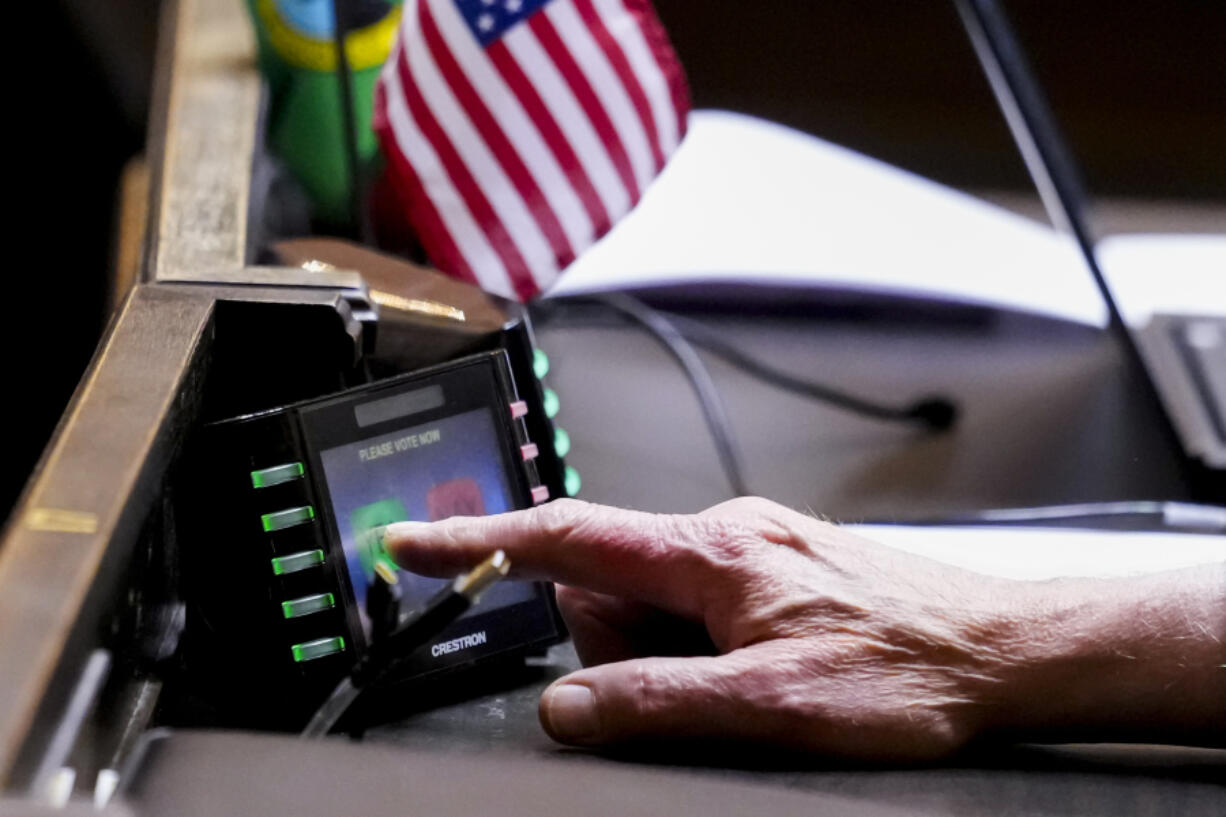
(297, 53)
(517, 132)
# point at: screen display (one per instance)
(446, 467)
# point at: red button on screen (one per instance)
(459, 497)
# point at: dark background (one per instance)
(1140, 89)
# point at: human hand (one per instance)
(751, 621)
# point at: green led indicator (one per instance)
(287, 518)
(267, 477)
(310, 650)
(572, 483)
(552, 403)
(561, 441)
(297, 608)
(294, 562)
(540, 364)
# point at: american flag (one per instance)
(518, 132)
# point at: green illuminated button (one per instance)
(310, 650)
(561, 441)
(297, 608)
(267, 477)
(294, 562)
(287, 518)
(571, 482)
(540, 363)
(552, 403)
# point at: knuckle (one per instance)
(746, 523)
(746, 506)
(732, 539)
(559, 519)
(650, 694)
(757, 506)
(642, 700)
(689, 547)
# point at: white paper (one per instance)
(744, 200)
(1179, 274)
(1044, 553)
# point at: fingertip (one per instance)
(418, 546)
(398, 533)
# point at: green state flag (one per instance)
(297, 56)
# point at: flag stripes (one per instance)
(511, 118)
(585, 95)
(490, 133)
(515, 156)
(629, 83)
(563, 151)
(539, 70)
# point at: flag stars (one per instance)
(490, 19)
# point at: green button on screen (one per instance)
(297, 561)
(311, 650)
(267, 477)
(287, 518)
(297, 608)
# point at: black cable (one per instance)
(677, 333)
(937, 413)
(1051, 166)
(696, 371)
(393, 641)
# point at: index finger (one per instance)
(654, 558)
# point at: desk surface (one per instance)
(448, 755)
(1047, 417)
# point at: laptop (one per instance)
(1180, 359)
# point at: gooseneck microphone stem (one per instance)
(358, 213)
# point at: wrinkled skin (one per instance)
(752, 622)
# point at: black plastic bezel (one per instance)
(480, 381)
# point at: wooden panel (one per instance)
(210, 110)
(132, 225)
(120, 425)
(70, 540)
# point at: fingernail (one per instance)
(571, 712)
(401, 530)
